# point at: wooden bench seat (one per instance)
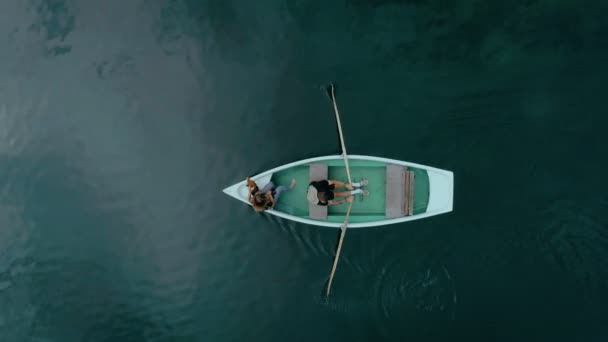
(317, 172)
(408, 192)
(399, 191)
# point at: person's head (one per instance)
(260, 199)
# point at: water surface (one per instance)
(121, 121)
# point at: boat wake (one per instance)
(425, 297)
(310, 241)
(575, 242)
(403, 295)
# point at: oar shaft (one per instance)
(333, 100)
(337, 257)
(345, 225)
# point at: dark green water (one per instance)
(121, 121)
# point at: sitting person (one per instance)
(268, 196)
(322, 192)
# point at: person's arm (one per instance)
(349, 199)
(271, 199)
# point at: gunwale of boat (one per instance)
(441, 184)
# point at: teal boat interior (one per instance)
(384, 185)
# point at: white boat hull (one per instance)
(441, 192)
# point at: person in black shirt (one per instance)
(322, 192)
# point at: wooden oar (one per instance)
(331, 92)
(332, 95)
(342, 234)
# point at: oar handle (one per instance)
(344, 154)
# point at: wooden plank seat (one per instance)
(399, 191)
(317, 172)
(408, 192)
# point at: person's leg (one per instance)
(349, 193)
(359, 184)
(351, 186)
(278, 191)
(337, 184)
(283, 188)
(268, 187)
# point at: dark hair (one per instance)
(260, 198)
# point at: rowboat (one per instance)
(398, 191)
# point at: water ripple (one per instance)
(575, 241)
(406, 295)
